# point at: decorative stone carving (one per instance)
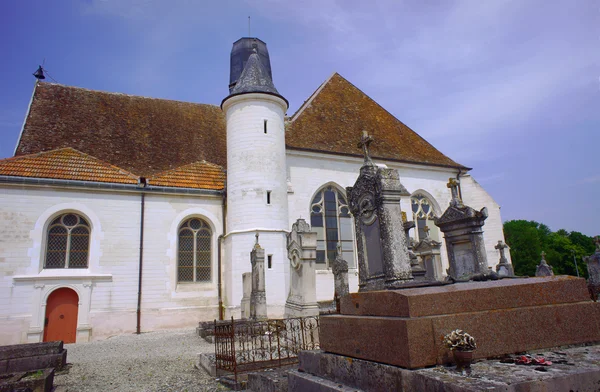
(374, 200)
(504, 267)
(258, 298)
(543, 269)
(418, 271)
(463, 232)
(247, 289)
(593, 267)
(339, 268)
(302, 252)
(429, 251)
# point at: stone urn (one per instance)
(463, 359)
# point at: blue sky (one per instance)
(510, 88)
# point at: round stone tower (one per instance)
(256, 181)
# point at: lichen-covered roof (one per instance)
(200, 175)
(65, 164)
(333, 118)
(142, 135)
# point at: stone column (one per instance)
(302, 252)
(258, 298)
(593, 266)
(543, 269)
(339, 268)
(247, 288)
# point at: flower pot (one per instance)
(463, 359)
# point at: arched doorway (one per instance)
(61, 316)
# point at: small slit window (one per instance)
(270, 261)
(265, 125)
(268, 197)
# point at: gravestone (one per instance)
(247, 290)
(302, 252)
(418, 271)
(258, 298)
(374, 200)
(593, 267)
(339, 268)
(428, 250)
(463, 232)
(504, 267)
(543, 269)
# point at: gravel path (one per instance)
(155, 361)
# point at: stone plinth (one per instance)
(247, 287)
(405, 327)
(302, 252)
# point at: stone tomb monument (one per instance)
(339, 268)
(403, 327)
(302, 252)
(258, 297)
(504, 267)
(374, 201)
(429, 251)
(463, 233)
(544, 269)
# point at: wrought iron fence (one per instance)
(248, 345)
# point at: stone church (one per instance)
(123, 213)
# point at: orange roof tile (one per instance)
(333, 118)
(65, 164)
(201, 175)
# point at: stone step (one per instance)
(304, 382)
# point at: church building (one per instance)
(122, 213)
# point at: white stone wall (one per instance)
(475, 196)
(108, 288)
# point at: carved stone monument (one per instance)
(543, 269)
(418, 271)
(374, 200)
(339, 268)
(429, 251)
(302, 252)
(504, 267)
(258, 298)
(247, 289)
(593, 267)
(463, 232)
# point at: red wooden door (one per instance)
(61, 316)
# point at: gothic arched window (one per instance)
(330, 218)
(194, 251)
(67, 242)
(423, 215)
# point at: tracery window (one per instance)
(194, 251)
(423, 215)
(330, 218)
(67, 242)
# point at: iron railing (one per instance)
(249, 345)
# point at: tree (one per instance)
(527, 239)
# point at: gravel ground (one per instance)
(155, 361)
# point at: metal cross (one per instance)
(365, 140)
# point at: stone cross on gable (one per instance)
(453, 185)
(365, 140)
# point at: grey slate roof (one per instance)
(255, 78)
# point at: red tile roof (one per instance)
(65, 164)
(143, 135)
(202, 175)
(333, 118)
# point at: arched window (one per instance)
(423, 215)
(67, 242)
(194, 254)
(330, 218)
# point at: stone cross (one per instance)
(365, 140)
(453, 185)
(504, 268)
(256, 244)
